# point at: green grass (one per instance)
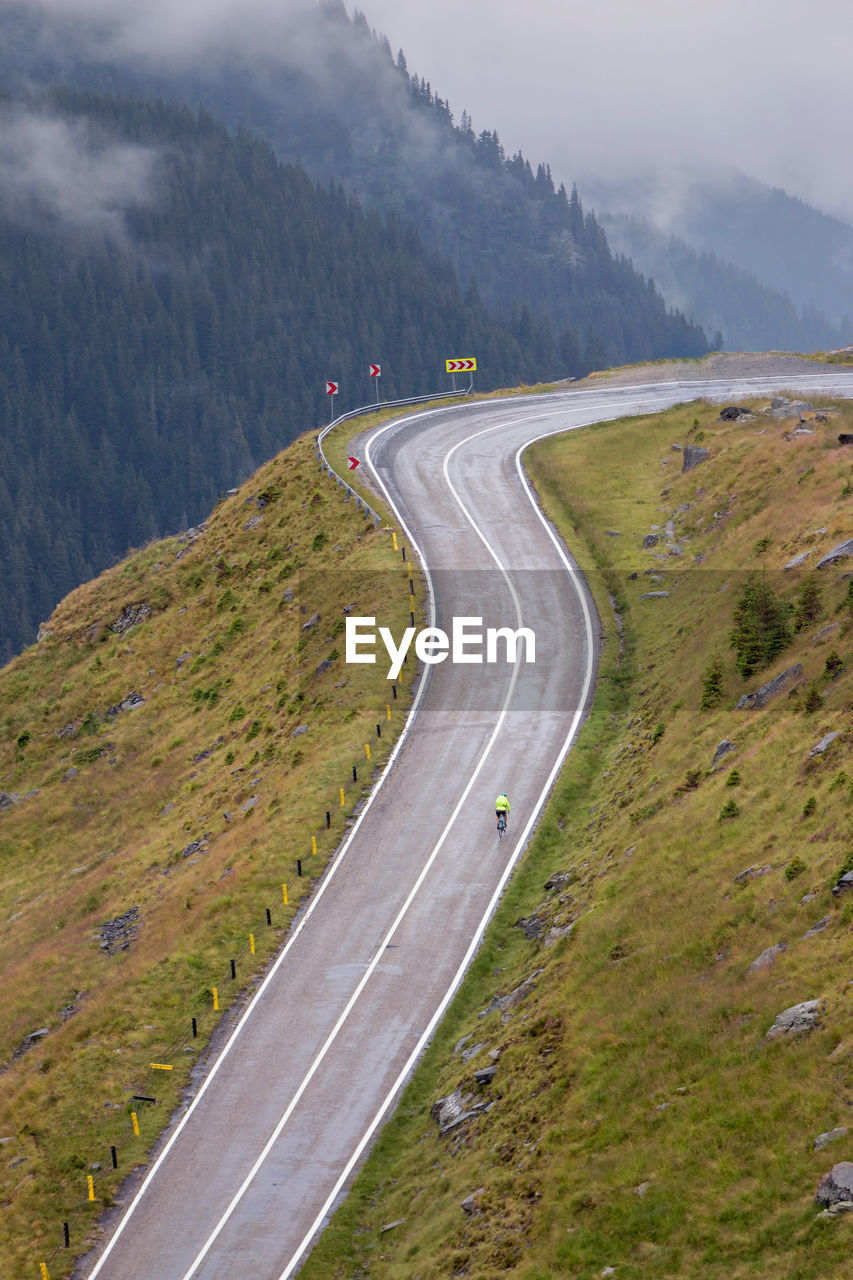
(641, 1121)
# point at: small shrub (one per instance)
(763, 544)
(712, 684)
(733, 780)
(238, 626)
(731, 809)
(657, 733)
(810, 807)
(320, 540)
(229, 757)
(23, 740)
(691, 781)
(226, 600)
(838, 781)
(237, 714)
(809, 604)
(795, 868)
(834, 663)
(812, 701)
(253, 730)
(295, 759)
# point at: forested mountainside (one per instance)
(327, 92)
(154, 352)
(789, 246)
(750, 315)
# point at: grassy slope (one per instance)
(641, 1121)
(228, 675)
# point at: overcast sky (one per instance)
(614, 86)
(606, 89)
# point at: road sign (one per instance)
(466, 365)
(331, 388)
(353, 463)
(375, 371)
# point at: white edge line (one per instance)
(574, 574)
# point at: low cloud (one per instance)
(67, 173)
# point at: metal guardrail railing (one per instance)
(372, 408)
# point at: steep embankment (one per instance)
(612, 1096)
(168, 753)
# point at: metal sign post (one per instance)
(376, 372)
(332, 391)
(467, 364)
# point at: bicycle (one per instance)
(501, 825)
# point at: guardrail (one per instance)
(372, 408)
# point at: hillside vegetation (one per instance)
(168, 753)
(634, 1115)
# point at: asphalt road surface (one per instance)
(265, 1148)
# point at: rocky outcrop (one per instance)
(836, 1187)
(798, 1020)
(760, 698)
(842, 552)
(131, 616)
(693, 455)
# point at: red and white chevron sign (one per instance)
(331, 388)
(467, 365)
(375, 371)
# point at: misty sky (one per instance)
(604, 89)
(601, 91)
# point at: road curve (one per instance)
(266, 1146)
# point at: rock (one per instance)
(469, 1204)
(845, 438)
(253, 522)
(824, 1139)
(288, 595)
(558, 932)
(325, 665)
(772, 689)
(723, 749)
(798, 1020)
(841, 552)
(693, 456)
(299, 730)
(389, 1226)
(312, 622)
(767, 958)
(732, 412)
(69, 775)
(44, 633)
(508, 1002)
(843, 884)
(649, 541)
(131, 617)
(836, 1187)
(249, 804)
(824, 744)
(468, 1054)
(117, 934)
(182, 658)
(560, 880)
(803, 431)
(780, 408)
(130, 703)
(449, 1108)
(798, 560)
(487, 1074)
(532, 927)
(28, 1041)
(655, 595)
(816, 928)
(7, 800)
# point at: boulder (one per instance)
(841, 552)
(767, 958)
(723, 749)
(836, 1187)
(732, 412)
(131, 617)
(845, 438)
(650, 540)
(843, 885)
(824, 1139)
(825, 743)
(798, 560)
(655, 595)
(693, 455)
(798, 1020)
(771, 690)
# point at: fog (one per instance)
(67, 173)
(605, 93)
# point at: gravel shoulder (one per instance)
(720, 364)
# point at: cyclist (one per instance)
(502, 808)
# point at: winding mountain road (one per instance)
(265, 1148)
